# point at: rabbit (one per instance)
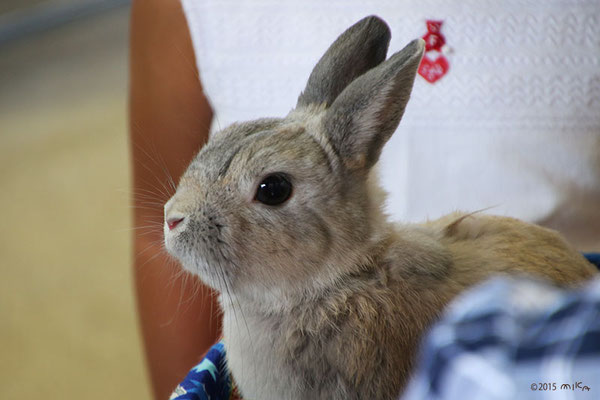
(322, 296)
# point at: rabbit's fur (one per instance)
(322, 297)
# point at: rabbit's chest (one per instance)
(331, 349)
(274, 360)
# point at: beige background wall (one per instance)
(68, 324)
(16, 5)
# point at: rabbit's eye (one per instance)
(274, 190)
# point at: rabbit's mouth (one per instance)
(199, 247)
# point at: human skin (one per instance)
(169, 119)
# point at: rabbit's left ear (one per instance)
(357, 50)
(366, 114)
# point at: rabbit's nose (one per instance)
(173, 217)
(173, 222)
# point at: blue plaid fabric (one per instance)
(504, 339)
(514, 339)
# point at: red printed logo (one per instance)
(434, 64)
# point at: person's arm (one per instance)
(169, 121)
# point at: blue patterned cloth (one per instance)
(208, 380)
(495, 341)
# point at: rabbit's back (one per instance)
(483, 245)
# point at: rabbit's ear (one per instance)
(360, 48)
(368, 111)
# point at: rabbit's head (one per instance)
(284, 205)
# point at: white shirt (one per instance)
(514, 124)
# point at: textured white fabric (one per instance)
(515, 123)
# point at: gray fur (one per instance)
(360, 48)
(364, 116)
(322, 297)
